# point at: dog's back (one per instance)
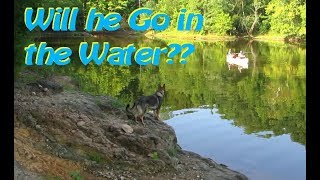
(151, 102)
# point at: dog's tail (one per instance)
(128, 109)
(130, 114)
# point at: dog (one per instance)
(143, 103)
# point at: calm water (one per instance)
(253, 121)
(205, 131)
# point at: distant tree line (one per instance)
(222, 17)
(242, 17)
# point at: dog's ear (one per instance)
(159, 86)
(164, 86)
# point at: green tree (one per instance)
(123, 7)
(216, 19)
(287, 17)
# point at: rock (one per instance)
(29, 156)
(102, 134)
(126, 128)
(223, 165)
(50, 85)
(84, 118)
(21, 173)
(81, 123)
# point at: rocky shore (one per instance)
(68, 134)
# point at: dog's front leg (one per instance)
(158, 114)
(155, 114)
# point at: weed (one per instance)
(76, 175)
(97, 157)
(155, 156)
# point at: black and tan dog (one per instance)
(143, 103)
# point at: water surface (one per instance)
(252, 121)
(205, 131)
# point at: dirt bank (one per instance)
(61, 134)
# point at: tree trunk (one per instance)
(255, 21)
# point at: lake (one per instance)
(253, 121)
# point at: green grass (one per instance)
(189, 36)
(76, 175)
(97, 100)
(172, 152)
(88, 153)
(95, 156)
(270, 37)
(117, 104)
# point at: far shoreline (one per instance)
(178, 36)
(185, 36)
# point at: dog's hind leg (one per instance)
(141, 118)
(136, 118)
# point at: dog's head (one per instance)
(161, 89)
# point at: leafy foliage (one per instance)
(287, 17)
(238, 17)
